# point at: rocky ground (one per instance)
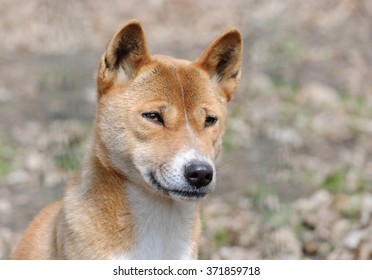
(295, 177)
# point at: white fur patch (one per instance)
(172, 174)
(163, 230)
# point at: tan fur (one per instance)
(131, 153)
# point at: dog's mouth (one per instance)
(184, 194)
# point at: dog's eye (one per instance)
(209, 121)
(153, 117)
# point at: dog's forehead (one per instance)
(173, 79)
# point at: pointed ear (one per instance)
(126, 51)
(222, 61)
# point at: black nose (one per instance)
(199, 174)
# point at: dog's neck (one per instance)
(164, 228)
(159, 227)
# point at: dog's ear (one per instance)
(222, 61)
(126, 52)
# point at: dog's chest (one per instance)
(162, 230)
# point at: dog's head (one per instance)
(160, 120)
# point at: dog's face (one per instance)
(160, 120)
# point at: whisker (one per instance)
(227, 162)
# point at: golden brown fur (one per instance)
(155, 115)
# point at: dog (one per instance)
(158, 130)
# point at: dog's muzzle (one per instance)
(188, 176)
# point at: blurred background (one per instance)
(295, 175)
